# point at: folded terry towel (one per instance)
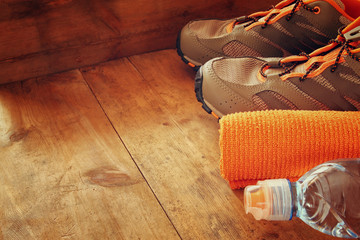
(284, 143)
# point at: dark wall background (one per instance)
(40, 37)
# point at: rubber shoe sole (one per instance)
(182, 56)
(199, 93)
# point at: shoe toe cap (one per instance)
(219, 96)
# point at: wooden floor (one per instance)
(120, 150)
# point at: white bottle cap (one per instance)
(269, 199)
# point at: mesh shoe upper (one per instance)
(326, 79)
(290, 28)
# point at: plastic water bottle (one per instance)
(327, 198)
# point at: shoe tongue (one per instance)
(352, 33)
(300, 68)
(351, 26)
(273, 71)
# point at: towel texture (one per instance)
(283, 143)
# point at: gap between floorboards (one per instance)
(127, 149)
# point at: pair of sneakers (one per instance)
(301, 54)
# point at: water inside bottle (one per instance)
(329, 198)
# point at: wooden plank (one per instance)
(175, 144)
(43, 37)
(64, 171)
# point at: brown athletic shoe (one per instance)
(291, 27)
(326, 79)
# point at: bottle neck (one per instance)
(294, 198)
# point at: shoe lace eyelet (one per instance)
(316, 10)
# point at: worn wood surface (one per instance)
(47, 36)
(120, 150)
(150, 101)
(64, 172)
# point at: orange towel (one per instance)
(283, 143)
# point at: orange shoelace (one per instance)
(285, 8)
(316, 62)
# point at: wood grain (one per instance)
(150, 101)
(65, 173)
(47, 36)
